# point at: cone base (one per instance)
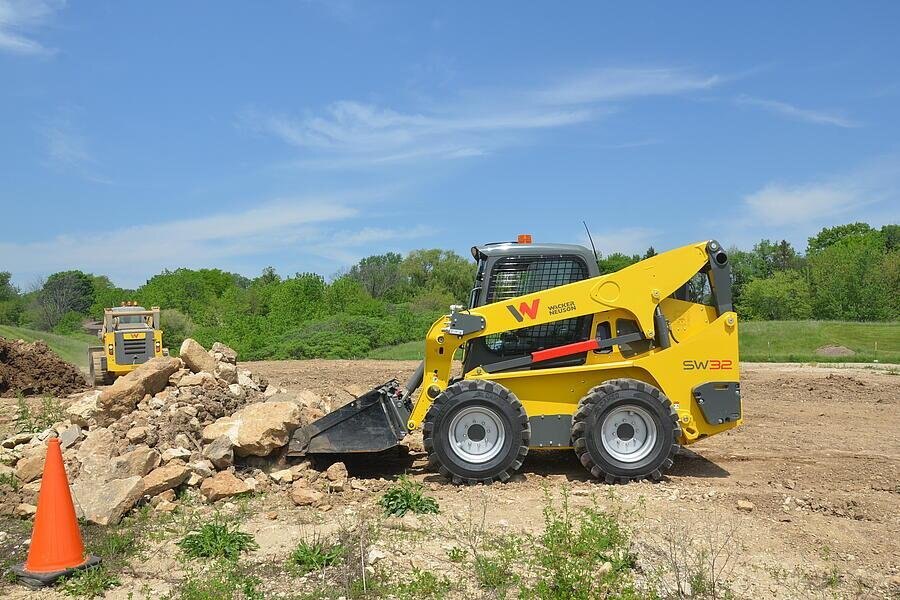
(38, 580)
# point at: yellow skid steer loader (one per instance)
(623, 368)
(130, 336)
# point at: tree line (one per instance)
(848, 272)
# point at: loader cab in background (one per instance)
(511, 269)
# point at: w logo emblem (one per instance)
(525, 309)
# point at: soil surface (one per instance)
(804, 497)
(33, 369)
(818, 456)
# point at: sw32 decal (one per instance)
(712, 364)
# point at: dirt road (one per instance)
(818, 457)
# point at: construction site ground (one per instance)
(804, 497)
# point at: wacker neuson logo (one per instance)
(562, 307)
(525, 310)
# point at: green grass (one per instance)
(772, 341)
(797, 341)
(217, 539)
(72, 348)
(407, 496)
(405, 351)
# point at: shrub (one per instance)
(314, 555)
(217, 539)
(407, 496)
(223, 581)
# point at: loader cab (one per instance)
(510, 269)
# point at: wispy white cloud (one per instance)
(612, 84)
(351, 134)
(630, 240)
(67, 150)
(779, 204)
(820, 117)
(18, 21)
(318, 227)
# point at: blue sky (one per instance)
(305, 135)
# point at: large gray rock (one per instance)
(138, 462)
(223, 353)
(122, 396)
(227, 372)
(223, 485)
(104, 504)
(195, 357)
(31, 466)
(257, 429)
(99, 443)
(167, 477)
(82, 411)
(220, 452)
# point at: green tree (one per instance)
(12, 305)
(176, 326)
(615, 262)
(442, 269)
(651, 251)
(830, 236)
(106, 295)
(848, 280)
(891, 235)
(783, 296)
(63, 292)
(380, 275)
(298, 299)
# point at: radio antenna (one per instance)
(594, 248)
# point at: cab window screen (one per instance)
(517, 276)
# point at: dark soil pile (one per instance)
(33, 369)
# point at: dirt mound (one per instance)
(831, 350)
(34, 369)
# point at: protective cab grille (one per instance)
(519, 275)
(134, 347)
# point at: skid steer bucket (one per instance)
(374, 422)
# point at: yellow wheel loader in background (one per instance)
(130, 336)
(623, 368)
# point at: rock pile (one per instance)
(33, 369)
(198, 421)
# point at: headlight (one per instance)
(110, 350)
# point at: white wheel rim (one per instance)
(476, 434)
(628, 433)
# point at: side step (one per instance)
(373, 422)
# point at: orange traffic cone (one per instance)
(56, 547)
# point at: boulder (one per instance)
(220, 452)
(303, 495)
(245, 380)
(81, 412)
(31, 466)
(257, 429)
(138, 462)
(136, 435)
(196, 379)
(122, 396)
(222, 485)
(164, 478)
(227, 372)
(69, 435)
(100, 442)
(17, 440)
(176, 454)
(105, 504)
(166, 496)
(337, 477)
(204, 468)
(25, 511)
(223, 353)
(283, 476)
(237, 391)
(195, 357)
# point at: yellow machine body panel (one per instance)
(113, 357)
(705, 348)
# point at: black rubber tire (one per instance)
(435, 430)
(604, 398)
